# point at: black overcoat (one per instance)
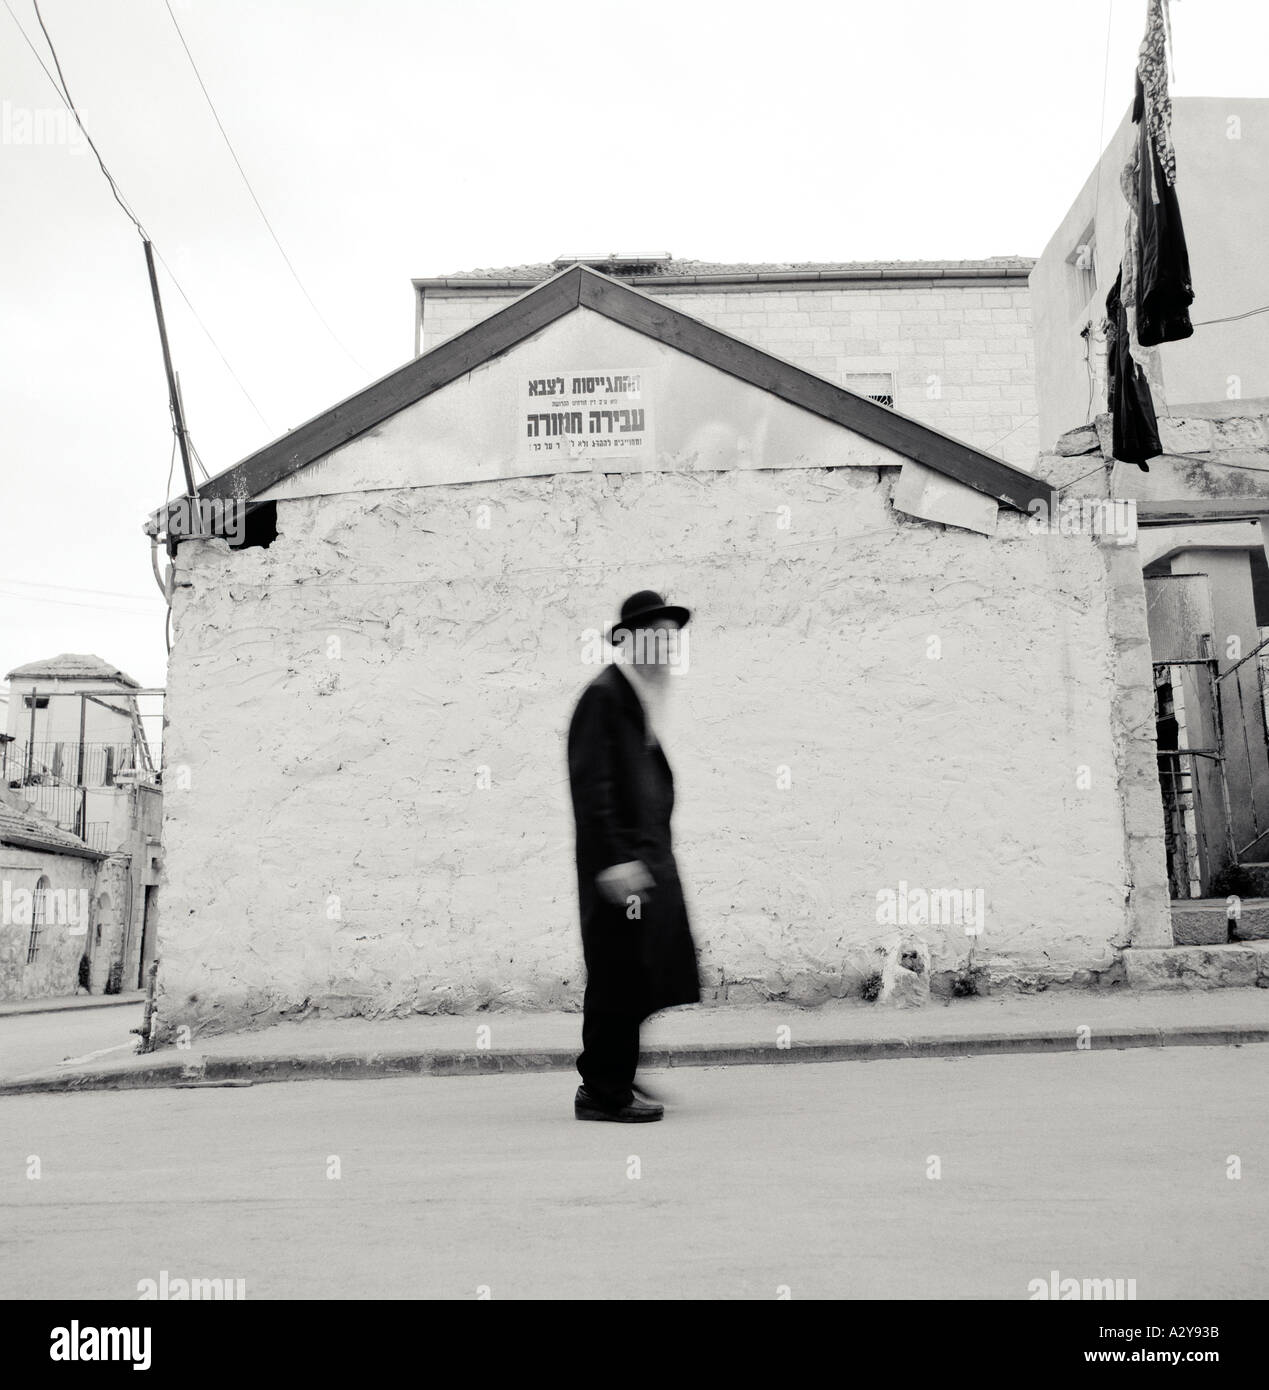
(623, 796)
(1164, 287)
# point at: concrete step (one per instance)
(1206, 922)
(1236, 965)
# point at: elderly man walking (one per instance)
(636, 939)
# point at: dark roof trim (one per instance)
(579, 285)
(967, 275)
(52, 846)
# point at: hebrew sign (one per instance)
(590, 414)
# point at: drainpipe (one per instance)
(79, 774)
(30, 738)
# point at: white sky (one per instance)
(395, 138)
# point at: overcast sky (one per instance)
(388, 139)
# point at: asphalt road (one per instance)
(810, 1177)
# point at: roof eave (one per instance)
(969, 274)
(34, 842)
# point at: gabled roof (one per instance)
(582, 287)
(23, 827)
(70, 666)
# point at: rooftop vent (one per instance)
(616, 262)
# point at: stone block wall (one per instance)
(55, 970)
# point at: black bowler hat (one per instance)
(642, 608)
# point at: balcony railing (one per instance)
(71, 764)
(48, 775)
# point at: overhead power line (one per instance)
(64, 92)
(64, 96)
(68, 588)
(122, 609)
(247, 182)
(207, 334)
(1233, 318)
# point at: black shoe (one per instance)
(635, 1111)
(640, 1089)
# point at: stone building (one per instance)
(1222, 162)
(1202, 505)
(910, 721)
(1201, 514)
(76, 758)
(51, 913)
(945, 342)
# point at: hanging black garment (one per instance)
(1134, 429)
(1164, 291)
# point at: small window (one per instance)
(877, 386)
(35, 701)
(1083, 263)
(37, 920)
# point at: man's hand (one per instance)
(624, 881)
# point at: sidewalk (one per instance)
(849, 1030)
(69, 1002)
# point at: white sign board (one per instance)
(587, 414)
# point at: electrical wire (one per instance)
(1101, 121)
(171, 465)
(202, 467)
(33, 49)
(69, 588)
(1242, 467)
(1029, 420)
(1081, 477)
(263, 215)
(72, 603)
(1233, 318)
(207, 334)
(63, 93)
(1097, 198)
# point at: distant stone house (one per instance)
(908, 724)
(76, 758)
(50, 910)
(945, 342)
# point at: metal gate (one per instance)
(1189, 732)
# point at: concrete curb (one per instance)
(172, 1072)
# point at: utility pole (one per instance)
(174, 396)
(82, 818)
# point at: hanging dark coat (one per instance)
(1164, 292)
(1134, 429)
(623, 797)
